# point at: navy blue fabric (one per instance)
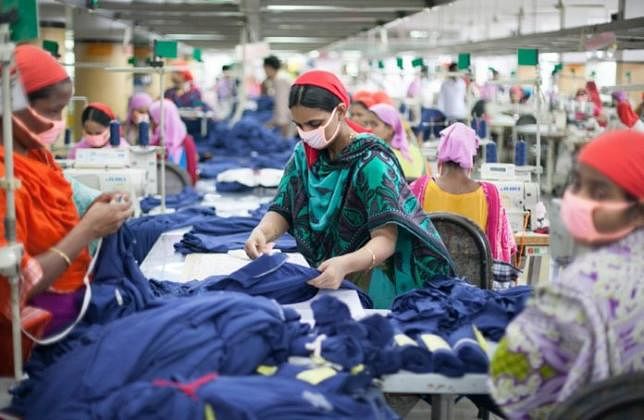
(206, 243)
(226, 225)
(221, 162)
(185, 198)
(225, 332)
(269, 275)
(281, 396)
(444, 305)
(232, 187)
(146, 230)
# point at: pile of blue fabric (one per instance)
(223, 234)
(270, 276)
(187, 197)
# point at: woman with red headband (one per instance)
(54, 235)
(588, 324)
(184, 93)
(96, 119)
(344, 198)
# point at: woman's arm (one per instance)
(272, 226)
(381, 246)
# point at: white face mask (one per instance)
(316, 138)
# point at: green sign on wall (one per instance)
(528, 56)
(166, 49)
(464, 61)
(26, 27)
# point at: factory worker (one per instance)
(184, 92)
(385, 122)
(179, 145)
(54, 235)
(96, 119)
(453, 190)
(625, 112)
(137, 112)
(345, 200)
(586, 325)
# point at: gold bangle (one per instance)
(61, 254)
(373, 258)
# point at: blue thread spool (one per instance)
(521, 153)
(115, 133)
(68, 136)
(144, 133)
(490, 152)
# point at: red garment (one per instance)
(48, 72)
(103, 108)
(619, 155)
(626, 114)
(192, 158)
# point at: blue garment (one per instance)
(146, 230)
(227, 225)
(225, 332)
(195, 242)
(269, 275)
(185, 198)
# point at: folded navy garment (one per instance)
(185, 198)
(232, 187)
(468, 350)
(225, 332)
(192, 243)
(269, 275)
(226, 225)
(146, 230)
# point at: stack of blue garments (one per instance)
(228, 333)
(270, 276)
(223, 234)
(187, 197)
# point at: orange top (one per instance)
(45, 214)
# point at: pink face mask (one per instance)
(97, 140)
(47, 138)
(316, 138)
(577, 216)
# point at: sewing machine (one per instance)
(132, 170)
(518, 193)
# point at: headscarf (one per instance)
(48, 72)
(619, 155)
(364, 97)
(103, 108)
(458, 143)
(137, 101)
(593, 94)
(183, 69)
(381, 97)
(174, 129)
(328, 81)
(620, 96)
(391, 117)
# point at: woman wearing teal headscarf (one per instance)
(345, 200)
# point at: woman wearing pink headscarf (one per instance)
(453, 191)
(137, 111)
(179, 145)
(385, 122)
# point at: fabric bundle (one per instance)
(187, 197)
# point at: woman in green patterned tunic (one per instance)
(344, 198)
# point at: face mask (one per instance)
(97, 140)
(47, 138)
(577, 216)
(316, 138)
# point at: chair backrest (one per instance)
(617, 398)
(526, 119)
(468, 246)
(175, 178)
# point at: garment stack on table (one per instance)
(208, 349)
(187, 197)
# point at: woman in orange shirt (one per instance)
(54, 236)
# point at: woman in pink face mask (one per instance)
(586, 325)
(96, 120)
(52, 231)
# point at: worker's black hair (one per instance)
(272, 61)
(226, 67)
(453, 67)
(312, 97)
(96, 115)
(47, 91)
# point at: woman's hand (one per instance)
(256, 244)
(333, 272)
(106, 215)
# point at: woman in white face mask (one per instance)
(345, 200)
(96, 119)
(54, 235)
(588, 324)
